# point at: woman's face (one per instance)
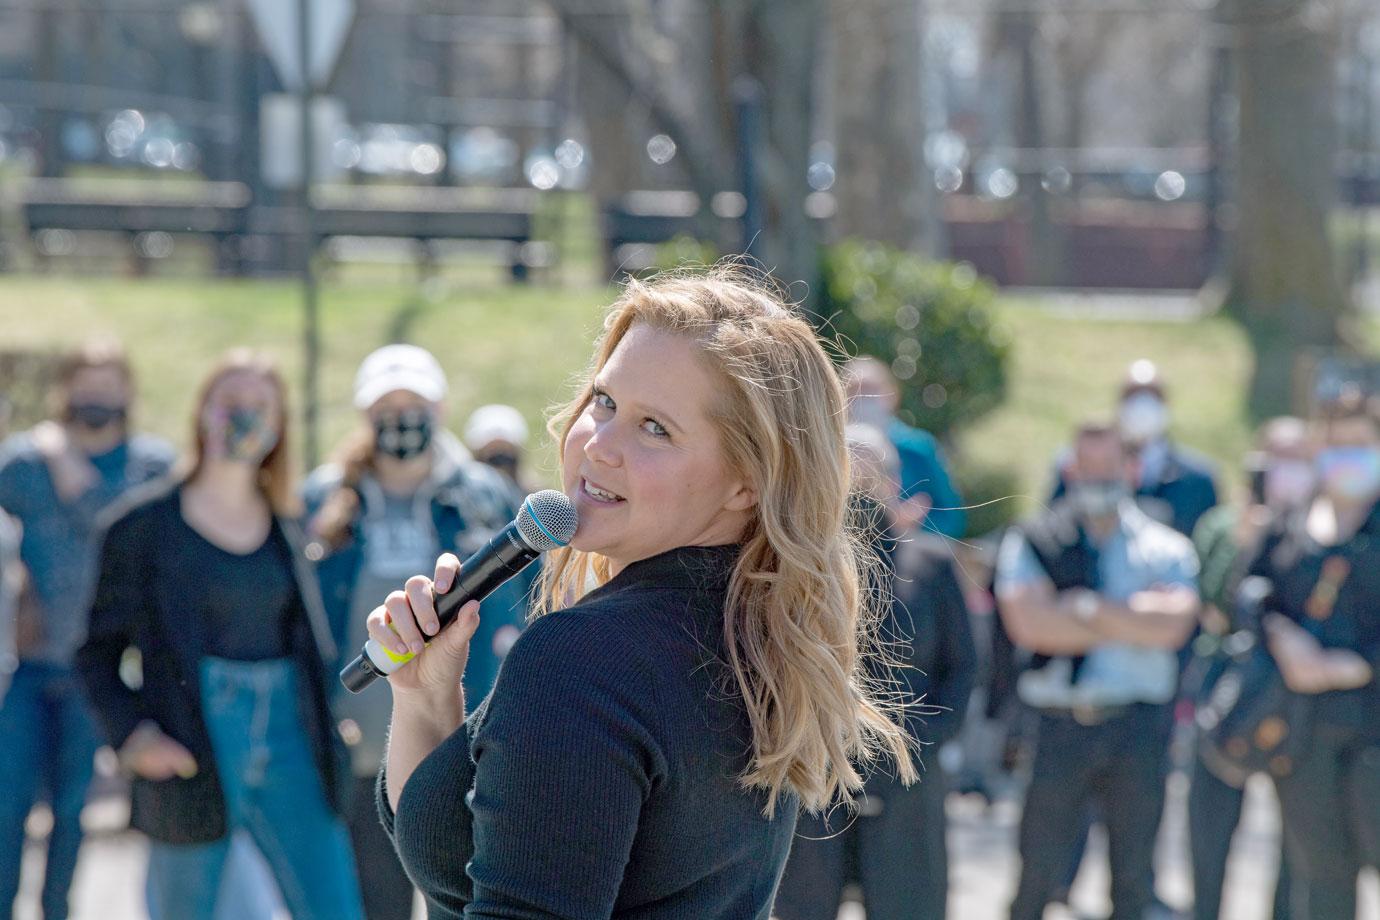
(404, 425)
(1349, 462)
(644, 463)
(242, 418)
(98, 398)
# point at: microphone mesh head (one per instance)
(547, 520)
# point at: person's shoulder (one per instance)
(152, 449)
(1160, 541)
(321, 482)
(595, 626)
(909, 437)
(472, 485)
(1215, 521)
(140, 506)
(1192, 462)
(599, 639)
(19, 450)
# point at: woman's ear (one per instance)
(742, 499)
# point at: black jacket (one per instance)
(137, 605)
(930, 632)
(1333, 592)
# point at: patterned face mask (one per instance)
(243, 434)
(404, 436)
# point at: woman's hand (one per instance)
(72, 473)
(407, 621)
(428, 702)
(149, 753)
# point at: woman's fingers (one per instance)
(382, 633)
(179, 759)
(455, 640)
(423, 603)
(400, 612)
(447, 566)
(159, 757)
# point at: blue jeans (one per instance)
(47, 741)
(272, 790)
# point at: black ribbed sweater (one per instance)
(600, 777)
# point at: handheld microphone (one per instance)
(546, 520)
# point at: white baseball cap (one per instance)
(399, 367)
(495, 422)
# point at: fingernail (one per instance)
(415, 647)
(433, 627)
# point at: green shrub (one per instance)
(683, 249)
(931, 321)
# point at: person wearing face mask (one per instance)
(228, 728)
(401, 492)
(695, 674)
(1103, 598)
(1172, 484)
(55, 480)
(497, 435)
(928, 498)
(894, 846)
(1283, 480)
(1322, 626)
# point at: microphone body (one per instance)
(499, 560)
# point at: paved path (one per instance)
(111, 871)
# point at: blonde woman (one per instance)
(649, 741)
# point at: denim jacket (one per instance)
(11, 580)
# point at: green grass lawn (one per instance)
(522, 344)
(517, 344)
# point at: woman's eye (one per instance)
(603, 401)
(652, 426)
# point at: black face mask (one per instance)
(403, 436)
(96, 416)
(503, 462)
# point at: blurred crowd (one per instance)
(190, 613)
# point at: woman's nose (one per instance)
(603, 445)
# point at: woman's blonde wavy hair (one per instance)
(799, 622)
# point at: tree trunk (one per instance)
(883, 187)
(626, 73)
(1282, 281)
(49, 71)
(783, 51)
(679, 70)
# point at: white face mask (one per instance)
(1097, 500)
(1144, 417)
(870, 409)
(1289, 483)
